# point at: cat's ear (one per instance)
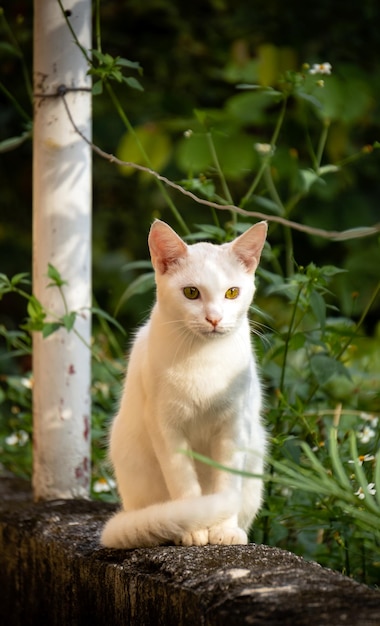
(249, 245)
(165, 246)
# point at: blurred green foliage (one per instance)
(192, 59)
(230, 110)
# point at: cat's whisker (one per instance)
(259, 327)
(185, 337)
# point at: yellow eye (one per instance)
(192, 293)
(232, 293)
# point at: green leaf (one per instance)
(248, 86)
(193, 154)
(207, 231)
(14, 142)
(344, 100)
(331, 270)
(307, 179)
(68, 320)
(155, 142)
(117, 75)
(5, 285)
(36, 315)
(203, 186)
(22, 277)
(309, 98)
(7, 48)
(98, 55)
(297, 341)
(109, 318)
(316, 464)
(137, 265)
(133, 82)
(328, 169)
(55, 276)
(318, 307)
(201, 116)
(267, 204)
(250, 107)
(103, 59)
(108, 59)
(352, 233)
(134, 65)
(235, 154)
(325, 367)
(335, 459)
(268, 90)
(49, 328)
(97, 88)
(142, 284)
(35, 309)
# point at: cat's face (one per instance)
(204, 288)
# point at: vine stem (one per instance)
(97, 27)
(344, 235)
(335, 235)
(322, 144)
(288, 337)
(360, 321)
(266, 160)
(124, 117)
(17, 106)
(222, 178)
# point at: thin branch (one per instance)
(354, 233)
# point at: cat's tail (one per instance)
(168, 522)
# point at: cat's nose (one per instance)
(213, 320)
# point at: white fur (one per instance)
(191, 385)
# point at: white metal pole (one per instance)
(62, 237)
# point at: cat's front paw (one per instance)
(227, 535)
(196, 538)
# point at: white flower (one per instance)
(18, 438)
(103, 485)
(263, 148)
(188, 133)
(368, 417)
(362, 458)
(104, 388)
(366, 434)
(12, 440)
(27, 382)
(320, 68)
(361, 494)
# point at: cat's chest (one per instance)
(210, 379)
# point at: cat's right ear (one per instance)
(165, 246)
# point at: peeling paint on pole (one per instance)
(62, 237)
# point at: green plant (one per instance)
(16, 390)
(321, 404)
(289, 152)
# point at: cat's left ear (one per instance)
(249, 245)
(165, 246)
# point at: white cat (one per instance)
(191, 386)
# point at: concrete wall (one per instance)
(53, 572)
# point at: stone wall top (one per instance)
(53, 571)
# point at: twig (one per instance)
(354, 233)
